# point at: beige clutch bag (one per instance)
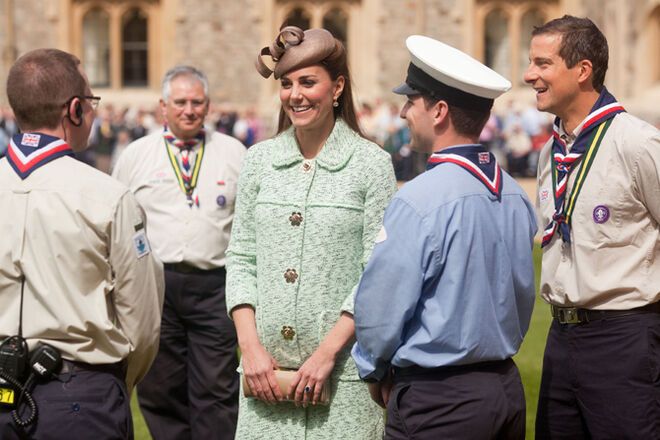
(284, 379)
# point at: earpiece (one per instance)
(76, 117)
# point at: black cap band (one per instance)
(426, 84)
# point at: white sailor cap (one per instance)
(446, 73)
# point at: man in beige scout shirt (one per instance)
(185, 178)
(599, 202)
(76, 271)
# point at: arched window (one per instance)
(298, 17)
(336, 21)
(496, 44)
(532, 18)
(96, 47)
(134, 49)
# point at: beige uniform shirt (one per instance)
(93, 290)
(613, 260)
(178, 233)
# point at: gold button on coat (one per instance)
(288, 332)
(295, 218)
(290, 276)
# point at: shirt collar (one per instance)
(334, 155)
(458, 146)
(567, 137)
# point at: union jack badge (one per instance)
(30, 139)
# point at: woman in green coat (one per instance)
(310, 203)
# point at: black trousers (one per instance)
(601, 380)
(191, 390)
(79, 404)
(479, 401)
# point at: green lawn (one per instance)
(530, 357)
(141, 431)
(529, 361)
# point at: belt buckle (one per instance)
(567, 315)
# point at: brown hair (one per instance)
(40, 83)
(466, 122)
(336, 64)
(580, 40)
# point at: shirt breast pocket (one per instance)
(223, 195)
(598, 215)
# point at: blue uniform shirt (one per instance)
(451, 277)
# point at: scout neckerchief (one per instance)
(475, 159)
(28, 151)
(187, 169)
(563, 162)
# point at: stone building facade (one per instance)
(127, 45)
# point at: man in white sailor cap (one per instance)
(447, 295)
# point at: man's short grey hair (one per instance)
(189, 71)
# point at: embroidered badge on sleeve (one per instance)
(141, 244)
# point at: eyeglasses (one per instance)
(94, 100)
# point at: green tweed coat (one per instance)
(303, 231)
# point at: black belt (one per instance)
(416, 370)
(118, 369)
(187, 268)
(574, 315)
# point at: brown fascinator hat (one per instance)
(293, 49)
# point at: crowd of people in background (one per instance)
(515, 136)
